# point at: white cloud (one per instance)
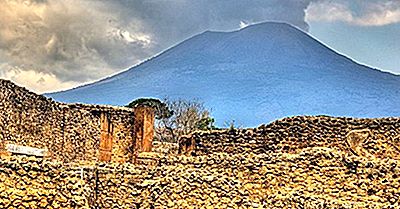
(36, 81)
(370, 13)
(243, 24)
(141, 39)
(328, 11)
(380, 13)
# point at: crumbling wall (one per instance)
(312, 178)
(70, 132)
(293, 134)
(29, 182)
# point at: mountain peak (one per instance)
(270, 25)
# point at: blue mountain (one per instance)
(254, 75)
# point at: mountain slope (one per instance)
(255, 75)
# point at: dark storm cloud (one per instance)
(173, 21)
(59, 43)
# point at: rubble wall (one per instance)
(292, 134)
(312, 178)
(71, 132)
(30, 182)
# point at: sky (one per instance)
(50, 45)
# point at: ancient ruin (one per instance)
(73, 132)
(296, 162)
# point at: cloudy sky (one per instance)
(49, 45)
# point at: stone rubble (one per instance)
(316, 177)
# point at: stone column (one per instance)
(106, 137)
(144, 128)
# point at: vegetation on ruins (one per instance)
(177, 117)
(161, 109)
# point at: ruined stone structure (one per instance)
(144, 128)
(73, 132)
(313, 178)
(291, 135)
(297, 162)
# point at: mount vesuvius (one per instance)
(254, 75)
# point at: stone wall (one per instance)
(29, 182)
(70, 132)
(312, 178)
(291, 135)
(308, 177)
